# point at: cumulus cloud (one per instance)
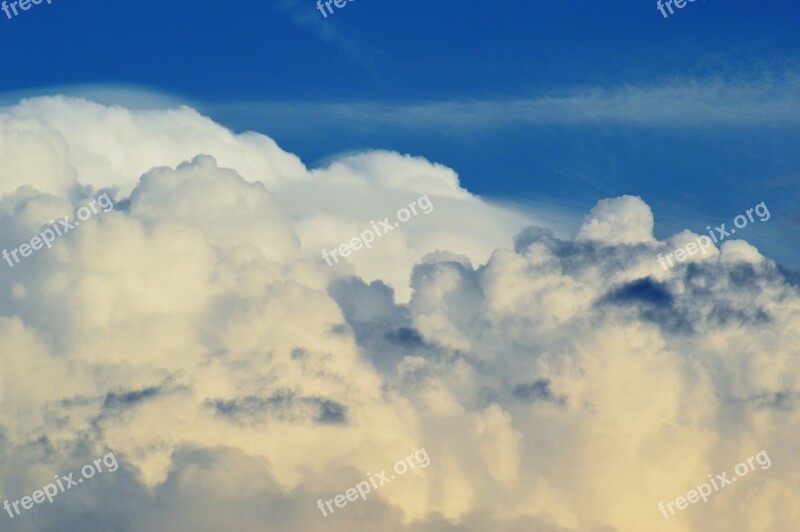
(624, 220)
(556, 383)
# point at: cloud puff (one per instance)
(115, 146)
(624, 220)
(555, 383)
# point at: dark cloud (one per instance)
(745, 277)
(331, 412)
(129, 399)
(646, 291)
(576, 257)
(404, 336)
(725, 315)
(284, 405)
(536, 391)
(781, 400)
(654, 303)
(383, 329)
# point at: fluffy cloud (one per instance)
(625, 220)
(555, 383)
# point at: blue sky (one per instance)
(556, 105)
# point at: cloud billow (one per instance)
(556, 383)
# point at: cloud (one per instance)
(768, 101)
(556, 382)
(305, 14)
(624, 220)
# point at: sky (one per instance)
(327, 86)
(531, 328)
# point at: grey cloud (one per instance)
(129, 399)
(540, 390)
(653, 302)
(283, 405)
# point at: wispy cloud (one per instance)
(697, 103)
(764, 102)
(306, 15)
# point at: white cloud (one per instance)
(556, 383)
(624, 220)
